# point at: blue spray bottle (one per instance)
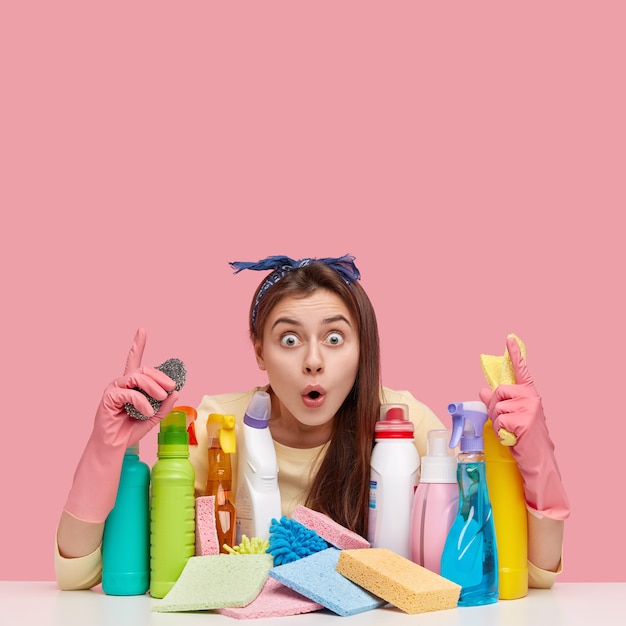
(470, 555)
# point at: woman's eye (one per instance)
(289, 340)
(335, 339)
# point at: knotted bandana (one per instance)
(281, 265)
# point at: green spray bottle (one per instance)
(172, 514)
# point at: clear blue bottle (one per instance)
(126, 539)
(470, 555)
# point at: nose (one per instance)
(313, 362)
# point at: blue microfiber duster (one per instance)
(290, 541)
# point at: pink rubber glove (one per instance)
(96, 479)
(517, 409)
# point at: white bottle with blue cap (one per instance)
(257, 500)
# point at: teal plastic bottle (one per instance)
(470, 554)
(126, 540)
(172, 514)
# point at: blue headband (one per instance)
(281, 265)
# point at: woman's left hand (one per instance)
(518, 410)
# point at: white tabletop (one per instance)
(571, 604)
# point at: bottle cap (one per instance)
(258, 412)
(394, 422)
(173, 429)
(440, 463)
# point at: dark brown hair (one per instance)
(341, 487)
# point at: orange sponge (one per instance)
(395, 579)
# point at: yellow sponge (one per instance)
(395, 579)
(498, 370)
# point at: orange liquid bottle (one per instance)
(221, 436)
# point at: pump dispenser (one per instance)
(393, 479)
(258, 498)
(172, 514)
(435, 503)
(470, 556)
(221, 437)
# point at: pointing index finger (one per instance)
(522, 375)
(135, 354)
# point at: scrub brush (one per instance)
(175, 369)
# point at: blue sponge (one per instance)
(316, 578)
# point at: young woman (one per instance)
(314, 332)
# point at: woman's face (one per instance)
(310, 350)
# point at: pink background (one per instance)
(470, 155)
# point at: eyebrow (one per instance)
(329, 320)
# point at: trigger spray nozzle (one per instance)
(468, 421)
(222, 428)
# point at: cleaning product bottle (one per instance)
(126, 539)
(393, 479)
(436, 502)
(470, 554)
(258, 498)
(506, 492)
(172, 514)
(221, 437)
(506, 486)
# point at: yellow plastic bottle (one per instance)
(506, 491)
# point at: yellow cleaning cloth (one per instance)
(498, 370)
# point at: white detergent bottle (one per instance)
(436, 502)
(393, 480)
(257, 500)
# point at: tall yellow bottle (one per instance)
(506, 491)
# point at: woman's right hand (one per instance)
(112, 425)
(96, 479)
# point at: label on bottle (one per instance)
(373, 517)
(373, 487)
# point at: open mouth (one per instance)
(314, 398)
